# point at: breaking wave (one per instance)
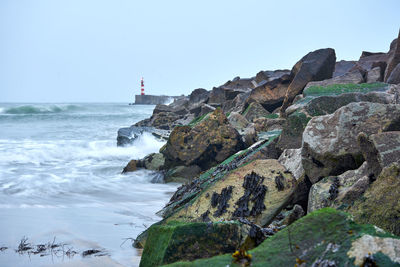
(39, 109)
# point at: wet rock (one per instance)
(254, 195)
(321, 238)
(128, 135)
(189, 241)
(154, 162)
(205, 144)
(330, 141)
(315, 66)
(182, 174)
(132, 166)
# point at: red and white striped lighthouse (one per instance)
(142, 87)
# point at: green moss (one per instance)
(197, 120)
(272, 116)
(176, 241)
(247, 109)
(337, 89)
(307, 239)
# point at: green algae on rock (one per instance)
(337, 89)
(380, 203)
(321, 236)
(189, 241)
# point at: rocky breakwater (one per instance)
(274, 166)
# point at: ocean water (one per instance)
(60, 177)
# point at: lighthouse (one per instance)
(142, 87)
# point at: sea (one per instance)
(61, 184)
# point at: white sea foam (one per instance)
(60, 171)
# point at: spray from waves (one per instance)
(39, 109)
(75, 151)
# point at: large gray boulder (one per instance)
(394, 77)
(380, 150)
(205, 144)
(330, 142)
(315, 66)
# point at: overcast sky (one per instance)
(97, 51)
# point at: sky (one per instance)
(97, 50)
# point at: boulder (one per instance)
(380, 203)
(162, 108)
(369, 62)
(154, 162)
(189, 241)
(238, 121)
(326, 237)
(330, 141)
(199, 95)
(394, 77)
(263, 149)
(127, 135)
(205, 109)
(271, 93)
(269, 123)
(315, 66)
(353, 77)
(268, 75)
(254, 110)
(342, 67)
(236, 104)
(206, 144)
(182, 174)
(291, 136)
(381, 149)
(164, 120)
(339, 191)
(394, 57)
(374, 75)
(132, 166)
(291, 160)
(257, 191)
(249, 135)
(217, 96)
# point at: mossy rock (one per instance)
(188, 241)
(291, 136)
(257, 191)
(326, 235)
(380, 204)
(337, 89)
